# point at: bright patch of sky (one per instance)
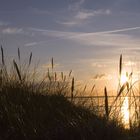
(84, 35)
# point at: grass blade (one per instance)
(2, 56)
(120, 66)
(70, 73)
(121, 90)
(30, 58)
(64, 78)
(92, 88)
(19, 54)
(62, 75)
(106, 103)
(85, 88)
(49, 76)
(55, 76)
(52, 62)
(17, 70)
(72, 88)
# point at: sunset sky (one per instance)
(86, 36)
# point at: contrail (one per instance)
(116, 31)
(71, 35)
(79, 33)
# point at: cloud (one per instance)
(10, 30)
(49, 66)
(102, 77)
(98, 76)
(119, 30)
(105, 38)
(83, 16)
(130, 63)
(68, 23)
(54, 33)
(76, 5)
(3, 23)
(97, 65)
(30, 44)
(79, 15)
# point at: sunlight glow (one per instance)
(124, 79)
(125, 112)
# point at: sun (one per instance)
(123, 79)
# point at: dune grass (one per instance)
(25, 114)
(40, 109)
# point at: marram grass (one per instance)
(40, 110)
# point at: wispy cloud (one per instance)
(98, 65)
(68, 23)
(54, 33)
(87, 14)
(76, 5)
(80, 15)
(119, 30)
(30, 44)
(105, 38)
(83, 16)
(98, 76)
(11, 30)
(2, 23)
(49, 65)
(130, 63)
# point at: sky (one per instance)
(86, 36)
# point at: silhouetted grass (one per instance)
(39, 109)
(26, 114)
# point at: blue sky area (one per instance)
(84, 35)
